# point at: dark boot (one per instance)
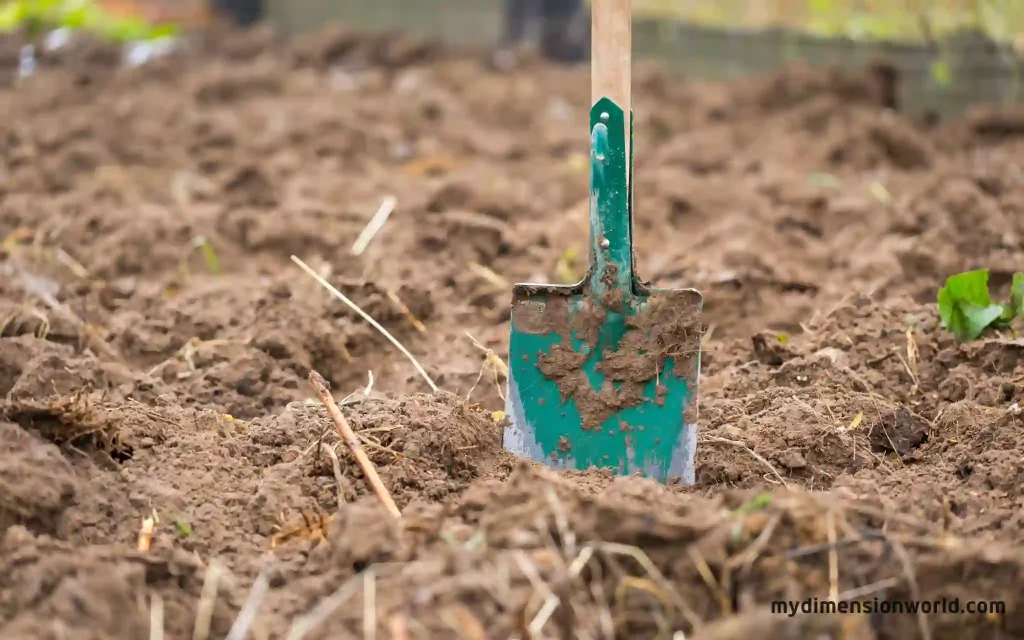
(522, 30)
(242, 13)
(566, 33)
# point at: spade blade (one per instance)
(605, 372)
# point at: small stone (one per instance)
(792, 460)
(166, 399)
(123, 287)
(837, 357)
(732, 432)
(954, 388)
(281, 290)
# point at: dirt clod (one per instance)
(900, 431)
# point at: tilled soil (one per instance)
(155, 341)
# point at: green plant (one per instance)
(183, 527)
(38, 16)
(756, 503)
(1017, 296)
(966, 307)
(856, 19)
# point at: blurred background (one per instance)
(949, 53)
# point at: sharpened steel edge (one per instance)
(519, 438)
(682, 463)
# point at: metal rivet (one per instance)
(605, 243)
(605, 117)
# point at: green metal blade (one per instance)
(604, 373)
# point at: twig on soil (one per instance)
(909, 574)
(338, 478)
(641, 558)
(709, 579)
(156, 617)
(749, 556)
(145, 538)
(320, 385)
(73, 265)
(913, 352)
(909, 369)
(374, 226)
(801, 552)
(416, 323)
(884, 514)
(751, 553)
(498, 363)
(551, 601)
(207, 600)
(756, 456)
(576, 567)
(565, 532)
(302, 626)
(240, 629)
(317, 446)
(492, 362)
(706, 338)
(376, 325)
(488, 275)
(867, 590)
(144, 409)
(378, 446)
(312, 527)
(543, 615)
(605, 620)
(642, 585)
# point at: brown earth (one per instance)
(850, 447)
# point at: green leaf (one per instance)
(210, 257)
(979, 318)
(125, 30)
(80, 16)
(756, 503)
(965, 305)
(12, 15)
(165, 30)
(183, 527)
(1017, 295)
(37, 16)
(970, 286)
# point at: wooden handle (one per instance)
(611, 54)
(611, 51)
